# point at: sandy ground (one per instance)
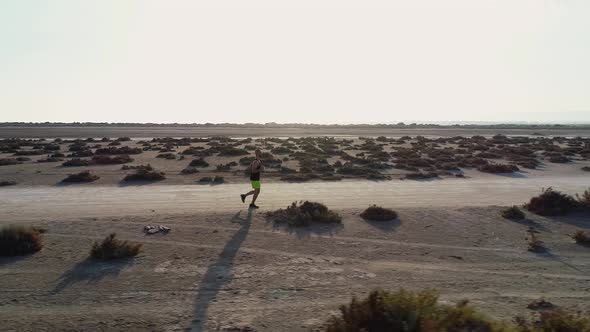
(224, 268)
(41, 132)
(231, 270)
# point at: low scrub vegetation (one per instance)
(535, 244)
(85, 176)
(121, 150)
(586, 168)
(552, 203)
(199, 163)
(19, 240)
(76, 163)
(512, 213)
(116, 160)
(113, 248)
(189, 170)
(304, 214)
(9, 161)
(421, 176)
(409, 311)
(377, 213)
(421, 312)
(144, 174)
(7, 183)
(582, 238)
(498, 168)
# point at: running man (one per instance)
(255, 168)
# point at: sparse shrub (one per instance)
(513, 213)
(143, 174)
(146, 167)
(7, 183)
(121, 150)
(409, 311)
(559, 159)
(281, 150)
(29, 152)
(498, 168)
(169, 156)
(540, 304)
(535, 244)
(9, 161)
(19, 240)
(299, 177)
(581, 238)
(218, 180)
(377, 213)
(189, 170)
(76, 162)
(552, 203)
(304, 213)
(199, 163)
(112, 248)
(558, 321)
(85, 176)
(586, 168)
(49, 160)
(116, 160)
(231, 151)
(584, 199)
(206, 179)
(421, 176)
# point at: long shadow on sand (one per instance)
(384, 226)
(307, 231)
(549, 254)
(90, 271)
(219, 273)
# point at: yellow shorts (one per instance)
(255, 184)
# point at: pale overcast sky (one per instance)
(315, 61)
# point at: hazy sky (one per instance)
(295, 61)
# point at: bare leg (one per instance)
(251, 192)
(256, 193)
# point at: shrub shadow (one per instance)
(219, 273)
(577, 219)
(304, 232)
(123, 183)
(384, 226)
(530, 223)
(91, 271)
(12, 260)
(549, 254)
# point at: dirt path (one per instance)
(61, 202)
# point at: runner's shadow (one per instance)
(219, 273)
(90, 271)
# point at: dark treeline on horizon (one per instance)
(295, 125)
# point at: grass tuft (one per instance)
(304, 214)
(19, 240)
(377, 213)
(112, 248)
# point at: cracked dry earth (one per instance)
(235, 271)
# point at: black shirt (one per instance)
(255, 176)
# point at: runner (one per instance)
(255, 168)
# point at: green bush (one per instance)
(76, 163)
(199, 163)
(411, 312)
(581, 238)
(85, 176)
(19, 240)
(143, 174)
(377, 213)
(304, 213)
(513, 213)
(112, 248)
(552, 203)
